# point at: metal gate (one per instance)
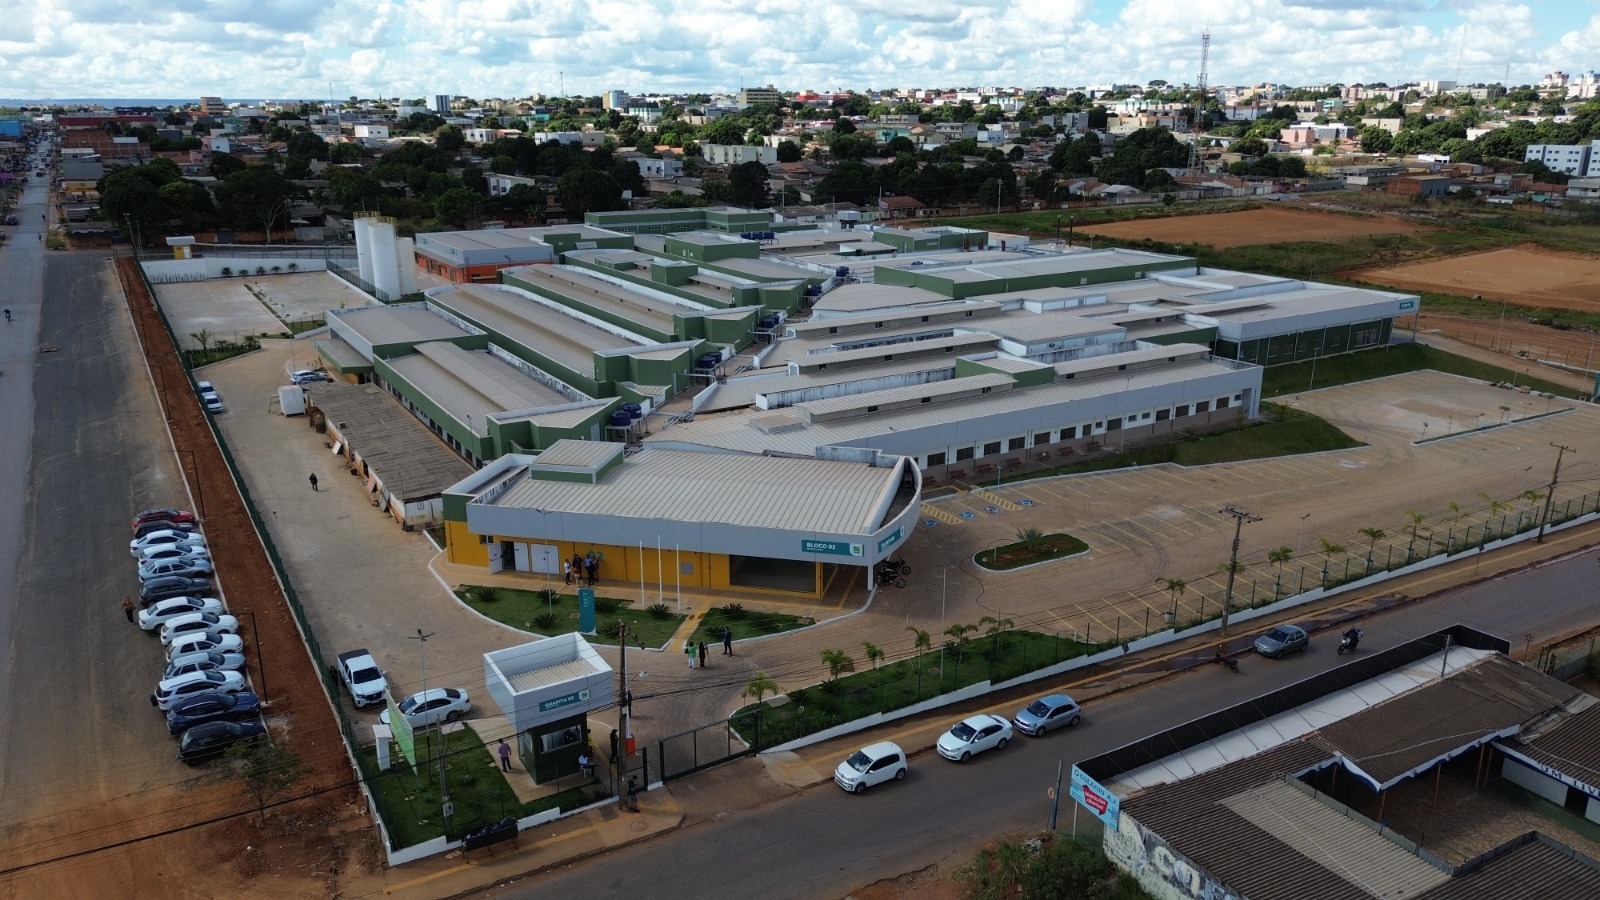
(709, 745)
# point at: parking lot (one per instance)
(233, 309)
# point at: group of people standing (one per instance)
(696, 651)
(585, 569)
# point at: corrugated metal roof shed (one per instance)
(579, 454)
(471, 384)
(1571, 746)
(1534, 871)
(562, 337)
(398, 324)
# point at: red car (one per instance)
(179, 516)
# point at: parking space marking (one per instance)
(934, 512)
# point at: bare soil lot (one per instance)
(1273, 225)
(1524, 275)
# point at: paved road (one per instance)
(82, 739)
(824, 843)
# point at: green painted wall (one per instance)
(561, 242)
(1319, 342)
(481, 447)
(701, 251)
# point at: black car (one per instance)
(173, 586)
(214, 738)
(211, 706)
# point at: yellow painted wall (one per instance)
(462, 547)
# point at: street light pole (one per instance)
(1239, 518)
(444, 795)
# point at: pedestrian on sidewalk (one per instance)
(314, 481)
(727, 641)
(702, 654)
(505, 756)
(613, 746)
(688, 650)
(566, 568)
(127, 609)
(633, 792)
(593, 565)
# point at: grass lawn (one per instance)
(1352, 367)
(745, 624)
(521, 610)
(1019, 554)
(899, 684)
(410, 801)
(1278, 433)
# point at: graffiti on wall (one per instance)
(1160, 870)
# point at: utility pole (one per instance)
(444, 796)
(1239, 518)
(1550, 491)
(624, 711)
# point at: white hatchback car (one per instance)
(872, 764)
(171, 690)
(165, 538)
(161, 612)
(197, 641)
(202, 622)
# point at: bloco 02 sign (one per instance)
(1095, 798)
(837, 548)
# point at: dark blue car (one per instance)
(211, 707)
(214, 738)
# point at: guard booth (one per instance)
(546, 690)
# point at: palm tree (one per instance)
(837, 661)
(760, 686)
(1416, 521)
(1175, 587)
(997, 627)
(960, 632)
(1329, 548)
(203, 338)
(872, 651)
(923, 640)
(1030, 538)
(1496, 507)
(1372, 534)
(1278, 557)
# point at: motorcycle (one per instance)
(1232, 665)
(1349, 640)
(895, 566)
(886, 577)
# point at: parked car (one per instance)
(361, 675)
(1282, 640)
(161, 612)
(212, 403)
(211, 707)
(211, 739)
(200, 621)
(199, 641)
(307, 376)
(155, 525)
(204, 387)
(432, 706)
(170, 690)
(872, 764)
(974, 735)
(154, 589)
(203, 661)
(188, 568)
(174, 551)
(163, 514)
(165, 537)
(1045, 713)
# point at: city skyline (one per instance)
(510, 48)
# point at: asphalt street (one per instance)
(823, 843)
(82, 740)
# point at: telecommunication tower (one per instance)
(1199, 103)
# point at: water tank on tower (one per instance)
(385, 265)
(364, 247)
(406, 256)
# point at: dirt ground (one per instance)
(204, 840)
(1517, 340)
(1526, 275)
(1271, 225)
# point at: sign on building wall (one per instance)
(1104, 804)
(889, 540)
(567, 700)
(836, 548)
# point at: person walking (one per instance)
(688, 650)
(127, 609)
(505, 756)
(314, 481)
(633, 793)
(592, 566)
(727, 641)
(702, 654)
(566, 568)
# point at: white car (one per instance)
(307, 376)
(198, 641)
(974, 735)
(204, 661)
(165, 538)
(189, 568)
(872, 764)
(171, 690)
(174, 551)
(431, 707)
(201, 622)
(161, 612)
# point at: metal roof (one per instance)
(411, 461)
(992, 381)
(579, 454)
(1032, 328)
(742, 390)
(571, 670)
(1570, 745)
(563, 337)
(647, 308)
(859, 298)
(802, 495)
(470, 384)
(1535, 871)
(398, 324)
(1396, 740)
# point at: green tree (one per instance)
(873, 652)
(837, 662)
(760, 686)
(628, 177)
(307, 145)
(449, 139)
(267, 769)
(190, 202)
(958, 633)
(1372, 534)
(344, 154)
(296, 167)
(1278, 557)
(458, 207)
(134, 204)
(224, 164)
(525, 201)
(788, 151)
(583, 191)
(256, 196)
(921, 640)
(749, 183)
(1175, 587)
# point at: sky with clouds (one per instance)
(250, 49)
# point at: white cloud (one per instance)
(286, 48)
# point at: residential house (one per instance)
(1419, 186)
(734, 154)
(902, 207)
